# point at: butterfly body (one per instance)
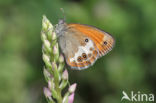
(81, 44)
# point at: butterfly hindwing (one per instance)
(84, 57)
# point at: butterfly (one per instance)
(82, 44)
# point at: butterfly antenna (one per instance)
(63, 14)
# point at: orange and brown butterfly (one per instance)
(82, 44)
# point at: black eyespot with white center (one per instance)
(105, 43)
(84, 55)
(86, 40)
(79, 59)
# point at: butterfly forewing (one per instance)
(85, 56)
(103, 41)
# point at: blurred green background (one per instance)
(130, 66)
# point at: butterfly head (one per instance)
(60, 27)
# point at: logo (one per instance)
(137, 96)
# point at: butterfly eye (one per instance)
(79, 59)
(105, 43)
(86, 40)
(84, 55)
